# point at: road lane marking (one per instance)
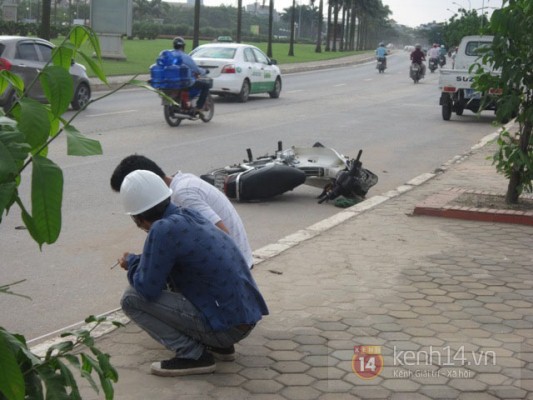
(340, 84)
(112, 113)
(295, 91)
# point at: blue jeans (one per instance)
(176, 323)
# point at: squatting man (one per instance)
(191, 288)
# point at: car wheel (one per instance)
(447, 108)
(82, 96)
(245, 92)
(277, 89)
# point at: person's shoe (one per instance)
(222, 353)
(185, 366)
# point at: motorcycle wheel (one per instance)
(170, 117)
(207, 116)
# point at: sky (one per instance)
(406, 12)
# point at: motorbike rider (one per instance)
(417, 57)
(381, 53)
(179, 51)
(434, 52)
(442, 55)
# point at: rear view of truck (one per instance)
(455, 84)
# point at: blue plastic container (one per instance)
(166, 58)
(157, 76)
(172, 77)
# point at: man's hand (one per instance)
(122, 262)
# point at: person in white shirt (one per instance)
(189, 191)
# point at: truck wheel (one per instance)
(446, 109)
(459, 110)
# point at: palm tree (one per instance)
(318, 48)
(196, 29)
(239, 20)
(270, 26)
(328, 31)
(45, 21)
(291, 44)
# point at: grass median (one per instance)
(141, 54)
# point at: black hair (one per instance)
(130, 164)
(156, 212)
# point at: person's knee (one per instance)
(130, 300)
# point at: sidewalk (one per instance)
(448, 303)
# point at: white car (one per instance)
(238, 70)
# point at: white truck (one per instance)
(456, 84)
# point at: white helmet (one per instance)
(141, 190)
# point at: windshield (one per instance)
(214, 52)
(472, 48)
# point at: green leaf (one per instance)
(46, 198)
(79, 145)
(8, 192)
(8, 164)
(69, 380)
(58, 88)
(34, 122)
(11, 378)
(14, 80)
(62, 57)
(54, 383)
(60, 348)
(95, 67)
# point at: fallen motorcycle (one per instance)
(272, 175)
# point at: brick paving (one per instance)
(446, 302)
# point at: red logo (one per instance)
(367, 361)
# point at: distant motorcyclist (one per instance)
(433, 55)
(442, 55)
(417, 57)
(179, 50)
(381, 53)
(434, 52)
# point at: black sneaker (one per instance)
(222, 353)
(185, 366)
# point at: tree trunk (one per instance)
(196, 29)
(291, 44)
(335, 22)
(516, 176)
(45, 21)
(239, 20)
(328, 33)
(318, 48)
(270, 25)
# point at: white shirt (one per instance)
(434, 52)
(189, 191)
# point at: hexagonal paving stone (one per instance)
(333, 386)
(300, 393)
(401, 385)
(262, 386)
(258, 373)
(281, 344)
(288, 367)
(295, 379)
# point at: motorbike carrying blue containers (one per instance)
(169, 72)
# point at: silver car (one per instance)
(26, 57)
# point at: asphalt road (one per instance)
(396, 123)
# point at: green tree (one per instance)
(511, 54)
(467, 22)
(25, 135)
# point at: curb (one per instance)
(436, 206)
